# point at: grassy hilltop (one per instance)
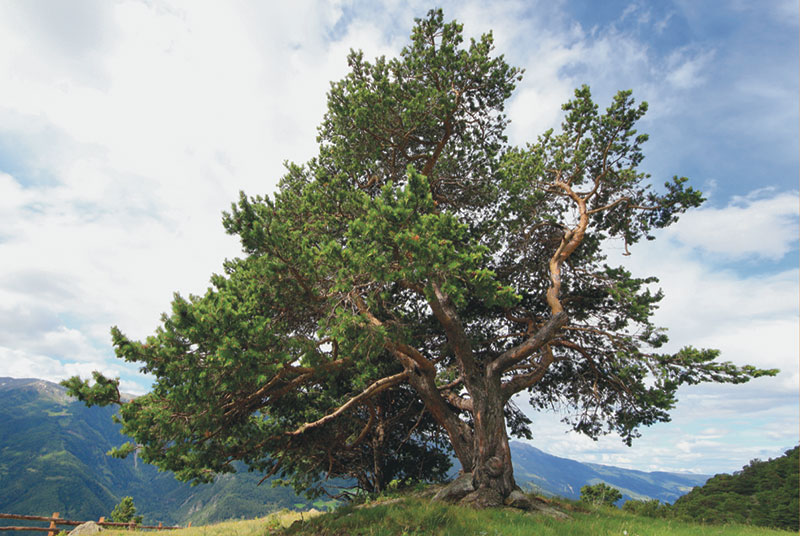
(406, 516)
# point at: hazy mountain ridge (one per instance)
(53, 458)
(561, 476)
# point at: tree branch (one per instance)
(609, 206)
(304, 373)
(523, 381)
(515, 355)
(569, 243)
(445, 312)
(410, 352)
(375, 388)
(366, 428)
(464, 404)
(424, 384)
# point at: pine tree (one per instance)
(125, 512)
(418, 254)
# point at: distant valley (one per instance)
(53, 458)
(552, 475)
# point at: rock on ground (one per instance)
(462, 491)
(482, 498)
(519, 500)
(456, 490)
(90, 527)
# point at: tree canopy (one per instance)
(400, 288)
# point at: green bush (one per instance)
(651, 508)
(600, 494)
(125, 512)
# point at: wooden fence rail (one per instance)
(55, 520)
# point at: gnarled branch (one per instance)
(375, 388)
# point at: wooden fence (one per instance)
(55, 520)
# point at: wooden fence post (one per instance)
(53, 526)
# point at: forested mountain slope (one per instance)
(53, 458)
(762, 493)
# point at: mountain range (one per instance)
(552, 475)
(53, 459)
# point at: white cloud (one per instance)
(751, 316)
(780, 11)
(695, 440)
(127, 162)
(685, 70)
(12, 197)
(759, 225)
(20, 364)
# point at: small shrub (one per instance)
(125, 512)
(652, 508)
(600, 494)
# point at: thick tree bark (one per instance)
(492, 467)
(377, 458)
(490, 462)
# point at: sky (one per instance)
(127, 127)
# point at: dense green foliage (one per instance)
(125, 512)
(600, 494)
(763, 493)
(400, 287)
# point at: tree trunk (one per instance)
(377, 459)
(492, 467)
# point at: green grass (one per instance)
(272, 524)
(409, 516)
(418, 517)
